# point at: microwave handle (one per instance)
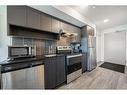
(30, 50)
(33, 50)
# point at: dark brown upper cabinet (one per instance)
(55, 25)
(78, 31)
(33, 18)
(46, 22)
(90, 30)
(72, 29)
(66, 27)
(16, 15)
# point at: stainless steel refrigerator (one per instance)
(91, 53)
(88, 46)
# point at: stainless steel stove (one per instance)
(64, 50)
(73, 62)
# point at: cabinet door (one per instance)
(72, 29)
(60, 70)
(46, 22)
(33, 18)
(55, 25)
(90, 31)
(78, 31)
(50, 73)
(16, 15)
(66, 27)
(84, 62)
(79, 35)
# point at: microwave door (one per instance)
(18, 51)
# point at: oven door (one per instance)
(74, 68)
(73, 59)
(73, 72)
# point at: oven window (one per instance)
(73, 68)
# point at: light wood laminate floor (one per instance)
(99, 78)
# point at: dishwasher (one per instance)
(23, 76)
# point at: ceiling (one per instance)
(117, 15)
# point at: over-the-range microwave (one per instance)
(21, 51)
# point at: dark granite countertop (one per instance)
(36, 58)
(22, 60)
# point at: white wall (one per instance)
(98, 45)
(110, 30)
(102, 46)
(4, 39)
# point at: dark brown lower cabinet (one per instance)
(84, 62)
(0, 78)
(60, 70)
(54, 71)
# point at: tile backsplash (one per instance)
(28, 42)
(17, 41)
(42, 46)
(64, 41)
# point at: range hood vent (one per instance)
(65, 33)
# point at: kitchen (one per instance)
(43, 51)
(43, 47)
